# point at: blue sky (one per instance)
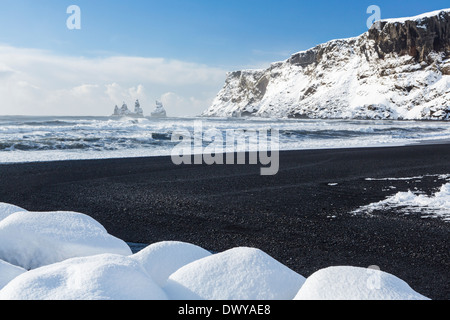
(216, 34)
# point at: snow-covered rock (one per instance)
(351, 283)
(164, 258)
(236, 274)
(8, 272)
(72, 257)
(399, 69)
(101, 277)
(105, 276)
(35, 239)
(8, 209)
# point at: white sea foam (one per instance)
(31, 139)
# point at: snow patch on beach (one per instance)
(435, 206)
(79, 260)
(441, 177)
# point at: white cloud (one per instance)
(40, 82)
(187, 105)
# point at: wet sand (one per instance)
(301, 216)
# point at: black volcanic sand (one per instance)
(295, 216)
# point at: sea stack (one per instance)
(125, 112)
(159, 111)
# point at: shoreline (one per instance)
(116, 157)
(301, 216)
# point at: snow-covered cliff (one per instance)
(399, 69)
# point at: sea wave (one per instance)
(87, 137)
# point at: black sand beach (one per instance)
(295, 216)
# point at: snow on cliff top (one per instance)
(416, 18)
(391, 20)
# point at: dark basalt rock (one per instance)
(417, 38)
(304, 58)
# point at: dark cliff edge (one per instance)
(417, 38)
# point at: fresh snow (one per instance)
(8, 272)
(101, 277)
(349, 81)
(440, 177)
(8, 209)
(79, 260)
(353, 89)
(416, 18)
(164, 258)
(34, 239)
(237, 274)
(435, 206)
(350, 283)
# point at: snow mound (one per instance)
(72, 257)
(35, 239)
(350, 283)
(164, 258)
(8, 272)
(102, 277)
(8, 209)
(236, 274)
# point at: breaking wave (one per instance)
(24, 139)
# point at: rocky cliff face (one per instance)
(399, 69)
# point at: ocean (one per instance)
(35, 139)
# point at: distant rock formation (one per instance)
(399, 69)
(125, 112)
(159, 111)
(137, 108)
